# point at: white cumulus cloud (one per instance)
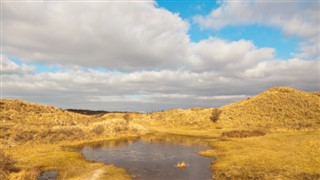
(114, 35)
(293, 17)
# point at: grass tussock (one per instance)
(7, 165)
(243, 133)
(28, 173)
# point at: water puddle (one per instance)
(48, 175)
(153, 158)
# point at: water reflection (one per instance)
(154, 157)
(48, 175)
(175, 139)
(113, 143)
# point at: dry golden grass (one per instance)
(276, 108)
(33, 158)
(34, 135)
(38, 138)
(27, 122)
(274, 156)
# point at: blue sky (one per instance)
(261, 35)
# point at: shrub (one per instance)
(25, 135)
(243, 133)
(99, 129)
(117, 125)
(127, 117)
(63, 133)
(215, 115)
(7, 165)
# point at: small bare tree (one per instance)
(215, 115)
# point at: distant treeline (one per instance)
(91, 112)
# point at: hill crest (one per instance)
(275, 107)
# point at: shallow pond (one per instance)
(152, 159)
(48, 175)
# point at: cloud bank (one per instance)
(140, 57)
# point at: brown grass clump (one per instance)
(7, 165)
(127, 117)
(99, 129)
(243, 133)
(29, 173)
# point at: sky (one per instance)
(147, 55)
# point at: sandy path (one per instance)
(96, 174)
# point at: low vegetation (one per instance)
(7, 165)
(274, 135)
(243, 133)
